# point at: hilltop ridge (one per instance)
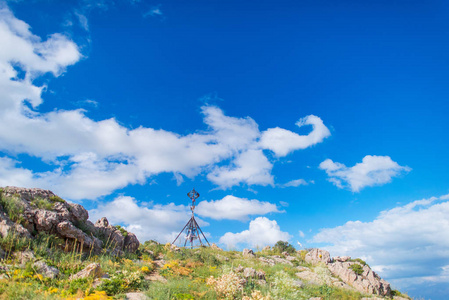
(50, 250)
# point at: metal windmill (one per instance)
(192, 229)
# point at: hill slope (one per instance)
(50, 250)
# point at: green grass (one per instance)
(42, 203)
(13, 207)
(187, 272)
(358, 269)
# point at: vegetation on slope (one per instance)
(202, 273)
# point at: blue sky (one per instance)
(315, 122)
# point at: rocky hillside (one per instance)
(49, 250)
(30, 212)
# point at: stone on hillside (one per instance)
(78, 212)
(266, 248)
(7, 227)
(155, 277)
(101, 223)
(93, 270)
(136, 296)
(260, 275)
(249, 273)
(131, 242)
(174, 248)
(45, 220)
(24, 256)
(239, 269)
(279, 260)
(317, 255)
(267, 261)
(215, 247)
(114, 237)
(46, 270)
(341, 258)
(367, 282)
(221, 257)
(248, 253)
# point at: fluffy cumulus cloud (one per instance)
(373, 170)
(407, 245)
(234, 208)
(282, 141)
(261, 232)
(87, 158)
(157, 222)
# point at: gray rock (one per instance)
(315, 256)
(46, 270)
(239, 269)
(341, 259)
(93, 270)
(215, 247)
(279, 260)
(131, 243)
(267, 261)
(249, 273)
(221, 257)
(78, 212)
(248, 253)
(260, 274)
(9, 227)
(136, 296)
(24, 256)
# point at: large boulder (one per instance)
(316, 255)
(45, 270)
(93, 270)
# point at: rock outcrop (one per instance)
(359, 277)
(30, 211)
(367, 282)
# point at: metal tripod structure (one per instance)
(192, 229)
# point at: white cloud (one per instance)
(282, 141)
(407, 244)
(157, 222)
(82, 20)
(250, 167)
(373, 170)
(261, 232)
(93, 158)
(155, 11)
(294, 183)
(234, 208)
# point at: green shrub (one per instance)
(359, 260)
(42, 203)
(75, 285)
(282, 246)
(358, 269)
(56, 199)
(122, 230)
